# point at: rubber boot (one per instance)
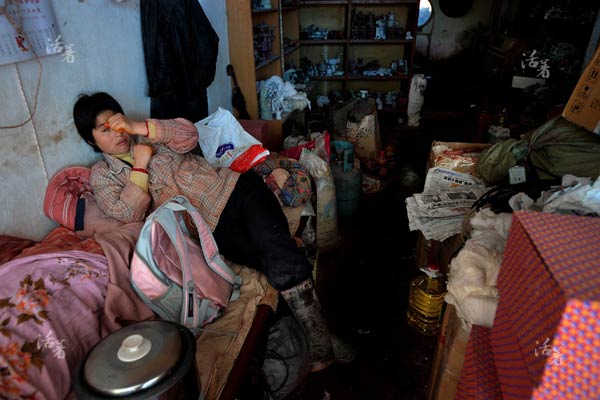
(343, 353)
(324, 348)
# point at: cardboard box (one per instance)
(449, 357)
(440, 252)
(583, 108)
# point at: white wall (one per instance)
(106, 38)
(219, 93)
(450, 35)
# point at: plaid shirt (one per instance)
(172, 171)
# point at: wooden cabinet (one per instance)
(288, 21)
(247, 51)
(290, 34)
(351, 39)
(242, 20)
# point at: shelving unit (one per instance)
(287, 17)
(242, 20)
(290, 36)
(337, 16)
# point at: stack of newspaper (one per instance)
(448, 195)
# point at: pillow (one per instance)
(292, 190)
(62, 195)
(69, 201)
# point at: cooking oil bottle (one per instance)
(426, 300)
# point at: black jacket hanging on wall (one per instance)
(180, 50)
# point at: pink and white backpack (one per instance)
(179, 278)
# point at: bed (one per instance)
(60, 296)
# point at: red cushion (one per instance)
(62, 194)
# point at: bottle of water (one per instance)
(426, 301)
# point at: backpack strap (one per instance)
(208, 244)
(237, 284)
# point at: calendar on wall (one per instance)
(27, 28)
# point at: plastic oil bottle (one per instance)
(426, 300)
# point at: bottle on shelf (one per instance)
(426, 301)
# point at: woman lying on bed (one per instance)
(147, 162)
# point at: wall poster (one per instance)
(27, 26)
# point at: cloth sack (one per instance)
(554, 149)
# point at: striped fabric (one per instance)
(549, 287)
(573, 372)
(478, 379)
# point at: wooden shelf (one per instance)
(324, 2)
(329, 78)
(384, 2)
(338, 14)
(322, 42)
(401, 41)
(360, 78)
(333, 14)
(268, 61)
(378, 78)
(267, 11)
(241, 20)
(359, 2)
(291, 50)
(317, 42)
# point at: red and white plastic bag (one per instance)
(225, 143)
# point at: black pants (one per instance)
(253, 231)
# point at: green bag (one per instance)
(495, 161)
(554, 149)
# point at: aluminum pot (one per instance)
(146, 360)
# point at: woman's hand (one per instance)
(142, 153)
(121, 123)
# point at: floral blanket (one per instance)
(57, 302)
(49, 319)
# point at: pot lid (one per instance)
(133, 358)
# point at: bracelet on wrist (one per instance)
(142, 170)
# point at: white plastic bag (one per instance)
(225, 143)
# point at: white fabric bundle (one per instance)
(474, 271)
(415, 99)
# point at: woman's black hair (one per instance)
(85, 111)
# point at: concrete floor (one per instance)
(363, 286)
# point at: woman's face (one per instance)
(109, 141)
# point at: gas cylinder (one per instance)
(347, 188)
(346, 176)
